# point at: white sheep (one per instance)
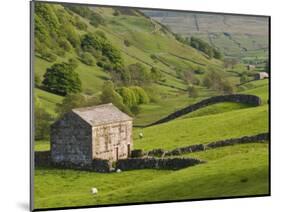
(140, 135)
(94, 190)
(118, 170)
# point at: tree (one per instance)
(42, 120)
(244, 78)
(156, 75)
(139, 75)
(71, 101)
(128, 96)
(140, 94)
(73, 62)
(61, 79)
(87, 58)
(192, 91)
(109, 95)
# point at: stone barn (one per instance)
(84, 134)
(261, 75)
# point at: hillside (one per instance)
(123, 56)
(243, 37)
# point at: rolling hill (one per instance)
(228, 172)
(243, 37)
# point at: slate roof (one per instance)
(101, 114)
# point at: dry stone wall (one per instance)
(156, 163)
(239, 98)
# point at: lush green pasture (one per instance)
(42, 146)
(227, 173)
(183, 132)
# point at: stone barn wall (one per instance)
(112, 139)
(71, 140)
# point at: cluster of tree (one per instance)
(61, 79)
(127, 99)
(203, 46)
(230, 62)
(214, 80)
(97, 45)
(55, 31)
(136, 74)
(95, 18)
(75, 100)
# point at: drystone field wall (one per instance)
(259, 138)
(156, 163)
(239, 98)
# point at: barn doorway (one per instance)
(129, 150)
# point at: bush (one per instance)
(73, 62)
(139, 75)
(192, 91)
(64, 44)
(128, 96)
(140, 94)
(87, 58)
(127, 43)
(42, 120)
(109, 95)
(116, 13)
(61, 79)
(199, 71)
(215, 81)
(48, 56)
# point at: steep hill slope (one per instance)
(243, 37)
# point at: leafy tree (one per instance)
(42, 120)
(215, 81)
(87, 58)
(244, 78)
(140, 94)
(139, 75)
(192, 91)
(109, 95)
(156, 75)
(73, 62)
(61, 79)
(128, 96)
(71, 101)
(127, 43)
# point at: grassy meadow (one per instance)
(239, 170)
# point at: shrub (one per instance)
(109, 95)
(73, 62)
(42, 120)
(64, 44)
(61, 79)
(87, 58)
(127, 43)
(199, 71)
(140, 94)
(128, 96)
(48, 56)
(192, 91)
(139, 75)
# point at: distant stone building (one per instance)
(261, 75)
(251, 67)
(84, 134)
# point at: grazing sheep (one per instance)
(140, 135)
(118, 170)
(94, 190)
